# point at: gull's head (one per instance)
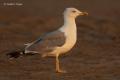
(73, 12)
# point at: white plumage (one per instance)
(59, 41)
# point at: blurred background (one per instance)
(96, 55)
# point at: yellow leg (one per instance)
(58, 66)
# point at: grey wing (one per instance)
(48, 42)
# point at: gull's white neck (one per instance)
(69, 24)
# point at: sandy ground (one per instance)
(96, 55)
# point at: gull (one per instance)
(58, 42)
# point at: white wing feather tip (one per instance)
(28, 44)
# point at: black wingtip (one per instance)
(15, 54)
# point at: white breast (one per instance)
(70, 33)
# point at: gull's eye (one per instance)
(73, 11)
